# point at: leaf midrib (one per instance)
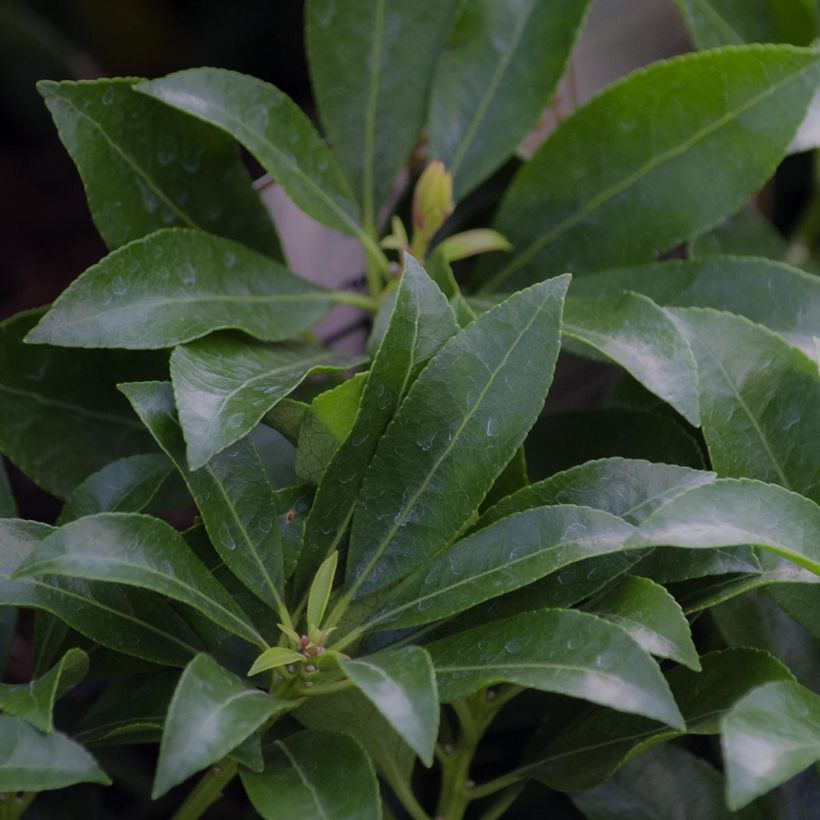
(304, 778)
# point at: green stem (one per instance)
(493, 786)
(207, 791)
(13, 804)
(504, 801)
(349, 297)
(328, 688)
(408, 800)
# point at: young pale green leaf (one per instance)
(634, 332)
(371, 65)
(759, 399)
(737, 511)
(146, 167)
(225, 383)
(504, 556)
(769, 736)
(35, 762)
(631, 166)
(651, 616)
(34, 701)
(783, 298)
(126, 485)
(132, 621)
(211, 713)
(142, 551)
(459, 426)
(315, 774)
(273, 658)
(556, 650)
(61, 418)
(401, 684)
(480, 109)
(231, 492)
(8, 506)
(320, 590)
(714, 23)
(420, 322)
(177, 285)
(629, 488)
(274, 129)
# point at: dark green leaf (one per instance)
(481, 106)
(454, 431)
(315, 774)
(8, 506)
(142, 551)
(402, 686)
(211, 712)
(32, 761)
(556, 650)
(631, 166)
(177, 285)
(225, 383)
(800, 601)
(371, 65)
(747, 232)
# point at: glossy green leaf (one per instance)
(320, 590)
(315, 774)
(481, 106)
(274, 129)
(371, 65)
(177, 285)
(420, 322)
(556, 650)
(212, 711)
(747, 232)
(454, 430)
(126, 485)
(34, 701)
(142, 551)
(635, 333)
(631, 166)
(132, 621)
(232, 493)
(769, 736)
(801, 601)
(146, 167)
(8, 506)
(759, 398)
(273, 658)
(402, 685)
(737, 511)
(61, 418)
(651, 616)
(714, 23)
(783, 298)
(33, 761)
(668, 565)
(225, 383)
(504, 556)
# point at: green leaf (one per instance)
(274, 129)
(454, 430)
(8, 506)
(714, 23)
(273, 658)
(212, 711)
(225, 383)
(768, 737)
(34, 701)
(556, 650)
(320, 590)
(315, 774)
(504, 556)
(60, 415)
(651, 616)
(32, 761)
(146, 167)
(747, 232)
(133, 621)
(232, 494)
(402, 685)
(141, 551)
(783, 298)
(759, 399)
(635, 333)
(177, 285)
(737, 511)
(629, 488)
(420, 322)
(667, 564)
(800, 601)
(126, 485)
(371, 66)
(480, 109)
(631, 166)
